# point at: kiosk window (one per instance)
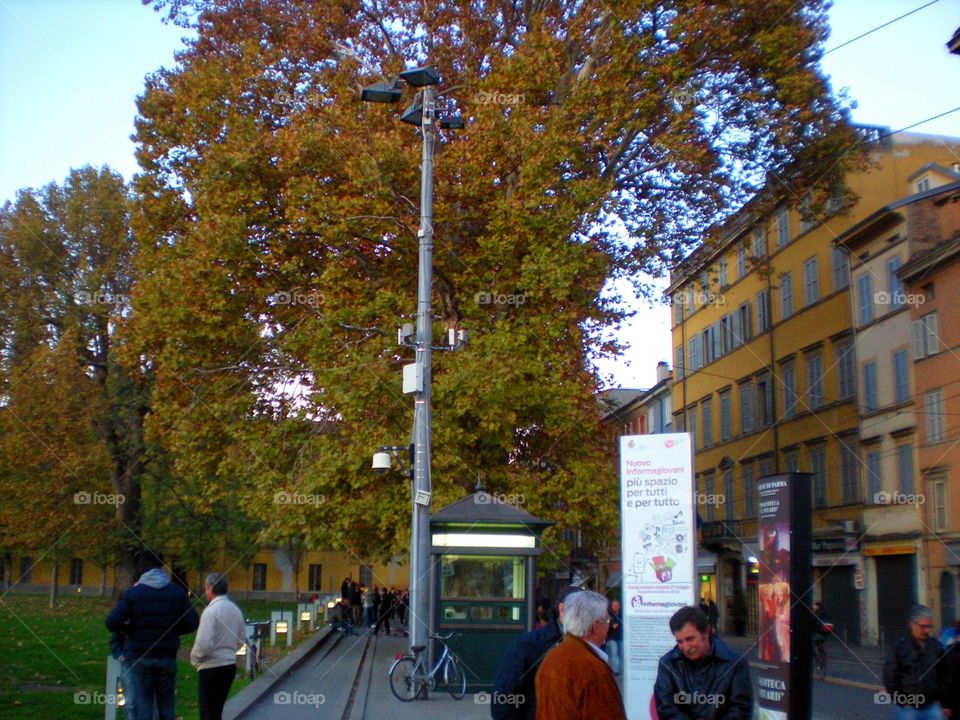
(473, 576)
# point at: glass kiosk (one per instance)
(483, 555)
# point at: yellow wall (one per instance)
(812, 330)
(335, 567)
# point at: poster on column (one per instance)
(783, 669)
(658, 541)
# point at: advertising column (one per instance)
(784, 597)
(658, 539)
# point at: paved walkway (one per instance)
(375, 701)
(344, 677)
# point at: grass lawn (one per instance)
(48, 656)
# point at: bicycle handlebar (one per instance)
(448, 636)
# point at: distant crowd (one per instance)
(372, 608)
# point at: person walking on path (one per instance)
(368, 619)
(386, 611)
(214, 654)
(356, 602)
(615, 638)
(514, 690)
(709, 608)
(152, 615)
(913, 674)
(403, 598)
(701, 677)
(574, 681)
(375, 617)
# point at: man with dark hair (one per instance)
(514, 691)
(214, 652)
(913, 673)
(701, 677)
(152, 615)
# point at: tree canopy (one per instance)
(277, 231)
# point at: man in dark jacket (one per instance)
(152, 615)
(701, 677)
(386, 611)
(514, 692)
(912, 672)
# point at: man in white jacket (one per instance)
(214, 654)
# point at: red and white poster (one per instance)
(658, 540)
(782, 669)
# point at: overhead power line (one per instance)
(879, 27)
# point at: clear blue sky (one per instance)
(70, 71)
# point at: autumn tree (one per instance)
(278, 223)
(72, 416)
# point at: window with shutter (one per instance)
(874, 484)
(905, 468)
(865, 299)
(919, 335)
(743, 323)
(933, 340)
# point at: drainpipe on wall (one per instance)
(773, 363)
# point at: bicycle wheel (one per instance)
(819, 662)
(456, 680)
(404, 681)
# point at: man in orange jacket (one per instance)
(574, 681)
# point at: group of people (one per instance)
(374, 608)
(146, 625)
(565, 668)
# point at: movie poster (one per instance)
(783, 580)
(658, 541)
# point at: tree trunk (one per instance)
(126, 475)
(103, 579)
(54, 577)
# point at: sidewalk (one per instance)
(375, 701)
(346, 677)
(850, 665)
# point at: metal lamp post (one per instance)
(423, 114)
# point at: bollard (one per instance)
(112, 691)
(281, 623)
(306, 615)
(115, 694)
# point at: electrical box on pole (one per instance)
(412, 378)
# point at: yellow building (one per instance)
(269, 576)
(765, 378)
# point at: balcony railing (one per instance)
(720, 530)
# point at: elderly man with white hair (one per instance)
(574, 681)
(214, 654)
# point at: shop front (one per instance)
(838, 582)
(892, 578)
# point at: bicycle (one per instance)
(408, 675)
(820, 650)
